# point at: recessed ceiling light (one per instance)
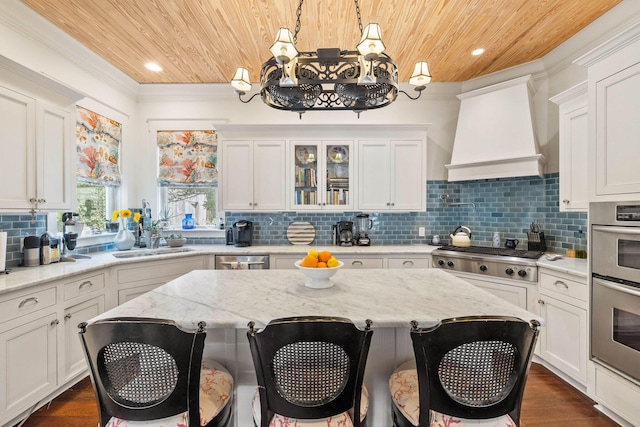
(478, 51)
(153, 66)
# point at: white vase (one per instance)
(124, 240)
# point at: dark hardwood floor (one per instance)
(548, 401)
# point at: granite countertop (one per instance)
(391, 298)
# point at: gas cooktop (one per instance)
(505, 263)
(486, 250)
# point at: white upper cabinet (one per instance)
(614, 109)
(321, 175)
(573, 135)
(37, 139)
(391, 175)
(253, 175)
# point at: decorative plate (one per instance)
(301, 233)
(306, 153)
(338, 153)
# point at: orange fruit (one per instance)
(324, 256)
(322, 264)
(309, 261)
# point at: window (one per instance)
(188, 176)
(200, 202)
(97, 168)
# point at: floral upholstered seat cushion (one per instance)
(216, 388)
(340, 420)
(403, 385)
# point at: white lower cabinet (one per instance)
(135, 279)
(616, 394)
(564, 338)
(408, 262)
(522, 294)
(362, 261)
(73, 361)
(28, 349)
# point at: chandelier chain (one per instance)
(358, 14)
(299, 13)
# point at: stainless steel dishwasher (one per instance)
(242, 262)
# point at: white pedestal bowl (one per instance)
(319, 278)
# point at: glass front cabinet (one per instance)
(322, 175)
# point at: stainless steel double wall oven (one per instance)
(615, 290)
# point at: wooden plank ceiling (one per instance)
(203, 41)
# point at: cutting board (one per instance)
(301, 233)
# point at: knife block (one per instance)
(536, 242)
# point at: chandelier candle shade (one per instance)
(329, 78)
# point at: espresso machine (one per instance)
(364, 226)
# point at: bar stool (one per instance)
(310, 372)
(467, 371)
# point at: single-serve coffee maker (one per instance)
(364, 226)
(343, 233)
(241, 233)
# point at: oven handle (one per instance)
(617, 287)
(619, 230)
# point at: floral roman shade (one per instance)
(188, 158)
(98, 148)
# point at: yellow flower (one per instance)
(136, 217)
(114, 215)
(125, 213)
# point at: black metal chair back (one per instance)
(309, 367)
(144, 369)
(473, 367)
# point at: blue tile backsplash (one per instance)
(508, 206)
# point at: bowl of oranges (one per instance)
(319, 267)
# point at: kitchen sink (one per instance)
(149, 252)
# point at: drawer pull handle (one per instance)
(85, 284)
(356, 263)
(26, 301)
(408, 262)
(561, 283)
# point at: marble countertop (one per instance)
(21, 277)
(390, 298)
(576, 266)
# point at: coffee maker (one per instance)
(343, 233)
(364, 226)
(242, 232)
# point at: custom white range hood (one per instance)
(495, 136)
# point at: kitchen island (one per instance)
(227, 300)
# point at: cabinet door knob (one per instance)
(55, 322)
(388, 204)
(67, 316)
(541, 302)
(565, 201)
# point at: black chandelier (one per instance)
(329, 79)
